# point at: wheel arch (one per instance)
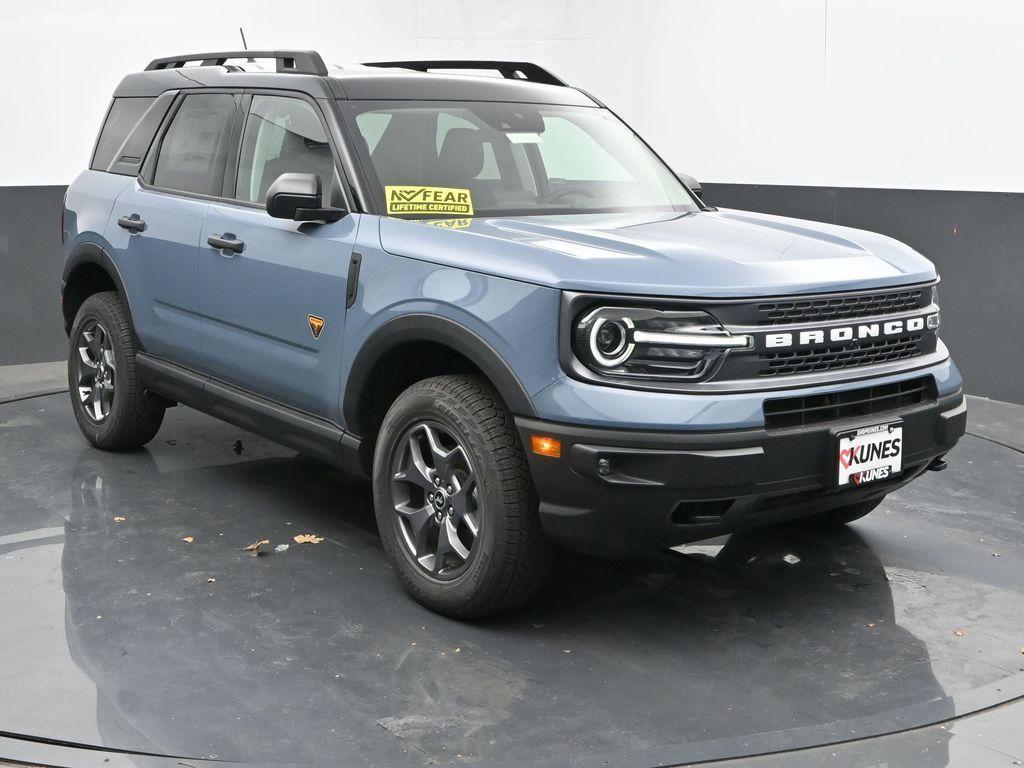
(89, 269)
(385, 352)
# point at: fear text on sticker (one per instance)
(418, 199)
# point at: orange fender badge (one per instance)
(316, 325)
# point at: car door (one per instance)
(274, 307)
(157, 221)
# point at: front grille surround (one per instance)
(796, 315)
(876, 400)
(766, 365)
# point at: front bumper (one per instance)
(617, 492)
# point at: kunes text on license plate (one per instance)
(870, 454)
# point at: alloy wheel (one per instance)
(435, 499)
(94, 371)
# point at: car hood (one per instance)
(709, 253)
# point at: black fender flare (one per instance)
(429, 328)
(92, 253)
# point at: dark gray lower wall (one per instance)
(31, 324)
(975, 238)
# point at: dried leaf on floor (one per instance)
(281, 548)
(188, 539)
(958, 632)
(256, 548)
(119, 518)
(210, 580)
(307, 538)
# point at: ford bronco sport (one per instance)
(493, 298)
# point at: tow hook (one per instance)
(937, 465)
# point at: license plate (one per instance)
(870, 454)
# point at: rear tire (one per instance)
(455, 505)
(837, 518)
(112, 409)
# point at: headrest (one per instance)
(462, 155)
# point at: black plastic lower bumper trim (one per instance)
(617, 492)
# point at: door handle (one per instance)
(132, 223)
(226, 242)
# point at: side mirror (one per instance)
(692, 183)
(297, 196)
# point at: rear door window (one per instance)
(194, 148)
(123, 116)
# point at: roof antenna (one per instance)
(245, 46)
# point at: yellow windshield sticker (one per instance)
(449, 223)
(409, 199)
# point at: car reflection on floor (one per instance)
(204, 650)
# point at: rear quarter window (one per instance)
(122, 117)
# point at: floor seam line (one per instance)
(996, 442)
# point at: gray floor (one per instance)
(120, 635)
(18, 381)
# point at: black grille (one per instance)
(822, 308)
(848, 355)
(853, 403)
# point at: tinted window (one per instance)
(282, 135)
(571, 154)
(124, 115)
(446, 121)
(506, 159)
(194, 148)
(372, 126)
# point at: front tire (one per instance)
(112, 409)
(455, 504)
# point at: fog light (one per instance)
(932, 321)
(546, 446)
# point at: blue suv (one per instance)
(491, 296)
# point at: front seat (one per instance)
(460, 161)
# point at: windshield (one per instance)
(445, 159)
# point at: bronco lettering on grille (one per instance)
(843, 333)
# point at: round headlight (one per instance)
(640, 342)
(609, 341)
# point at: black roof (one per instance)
(305, 71)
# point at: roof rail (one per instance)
(292, 62)
(511, 70)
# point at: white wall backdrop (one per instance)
(918, 94)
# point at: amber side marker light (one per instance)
(546, 446)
